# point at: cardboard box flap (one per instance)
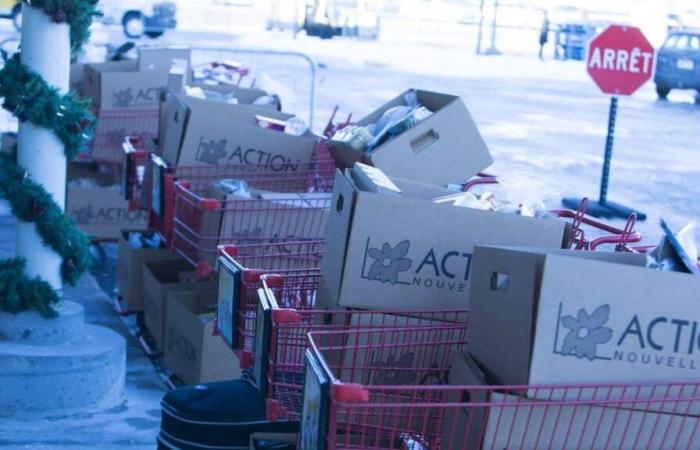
(161, 58)
(464, 425)
(175, 119)
(339, 223)
(435, 101)
(409, 188)
(503, 280)
(127, 65)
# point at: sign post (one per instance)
(620, 60)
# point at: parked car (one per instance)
(137, 22)
(11, 9)
(678, 63)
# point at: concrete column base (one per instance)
(61, 364)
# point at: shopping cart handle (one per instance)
(618, 239)
(286, 315)
(351, 392)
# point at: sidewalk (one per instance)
(134, 424)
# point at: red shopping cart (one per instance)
(277, 206)
(607, 234)
(240, 273)
(587, 233)
(113, 127)
(281, 330)
(390, 389)
(155, 191)
(135, 159)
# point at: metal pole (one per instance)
(494, 25)
(609, 141)
(46, 50)
(481, 27)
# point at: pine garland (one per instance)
(29, 98)
(77, 13)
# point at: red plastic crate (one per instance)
(349, 404)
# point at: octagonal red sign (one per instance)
(620, 60)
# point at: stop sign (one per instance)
(620, 60)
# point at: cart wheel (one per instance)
(17, 16)
(154, 34)
(134, 24)
(662, 91)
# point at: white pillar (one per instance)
(46, 50)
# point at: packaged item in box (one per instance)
(294, 125)
(371, 179)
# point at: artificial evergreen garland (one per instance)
(30, 98)
(77, 14)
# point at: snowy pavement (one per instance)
(133, 424)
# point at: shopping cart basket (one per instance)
(239, 278)
(390, 389)
(291, 206)
(113, 126)
(281, 337)
(155, 192)
(135, 158)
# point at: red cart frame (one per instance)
(295, 210)
(350, 402)
(240, 273)
(113, 127)
(281, 337)
(155, 191)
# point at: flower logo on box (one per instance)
(432, 268)
(627, 338)
(586, 332)
(389, 262)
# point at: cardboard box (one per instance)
(192, 351)
(159, 279)
(444, 148)
(499, 420)
(121, 85)
(77, 78)
(405, 252)
(203, 132)
(161, 59)
(96, 204)
(130, 269)
(585, 317)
